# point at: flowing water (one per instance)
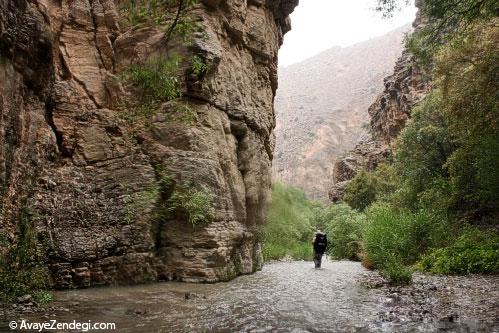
(283, 297)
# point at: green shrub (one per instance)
(43, 297)
(163, 198)
(361, 191)
(21, 269)
(197, 204)
(367, 187)
(297, 250)
(140, 204)
(288, 231)
(156, 80)
(392, 235)
(396, 273)
(140, 12)
(160, 13)
(198, 65)
(343, 225)
(474, 251)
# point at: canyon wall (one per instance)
(407, 86)
(69, 163)
(321, 108)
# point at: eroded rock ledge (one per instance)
(67, 157)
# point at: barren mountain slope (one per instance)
(321, 106)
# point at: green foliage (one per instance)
(361, 191)
(288, 231)
(425, 143)
(366, 187)
(446, 20)
(445, 163)
(392, 233)
(395, 272)
(420, 160)
(277, 250)
(474, 252)
(156, 80)
(140, 204)
(395, 237)
(136, 12)
(162, 199)
(43, 297)
(343, 225)
(198, 65)
(172, 16)
(387, 7)
(195, 203)
(21, 269)
(186, 29)
(448, 153)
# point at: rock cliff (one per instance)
(321, 108)
(407, 86)
(69, 159)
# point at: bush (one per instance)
(396, 273)
(298, 251)
(343, 225)
(361, 191)
(156, 80)
(397, 233)
(288, 231)
(367, 187)
(474, 251)
(160, 13)
(163, 198)
(21, 269)
(197, 204)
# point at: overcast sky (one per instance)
(321, 24)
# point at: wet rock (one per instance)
(137, 312)
(190, 295)
(25, 299)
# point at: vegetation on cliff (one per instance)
(21, 267)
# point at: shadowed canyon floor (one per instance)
(288, 297)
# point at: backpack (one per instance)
(320, 242)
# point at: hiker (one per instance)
(320, 244)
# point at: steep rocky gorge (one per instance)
(407, 86)
(321, 108)
(68, 161)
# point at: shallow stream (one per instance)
(289, 297)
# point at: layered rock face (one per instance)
(407, 86)
(68, 158)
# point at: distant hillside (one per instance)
(321, 107)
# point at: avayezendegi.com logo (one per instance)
(53, 325)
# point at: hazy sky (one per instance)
(321, 24)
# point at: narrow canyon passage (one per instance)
(289, 297)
